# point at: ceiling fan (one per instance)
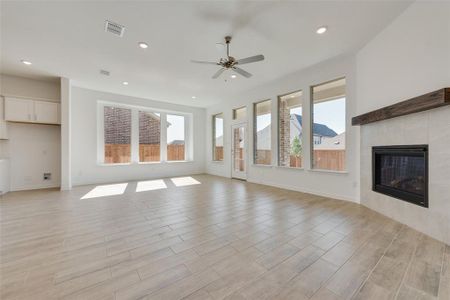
(231, 63)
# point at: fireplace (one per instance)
(401, 172)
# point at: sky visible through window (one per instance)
(176, 129)
(296, 111)
(330, 113)
(219, 127)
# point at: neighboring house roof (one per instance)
(264, 142)
(332, 143)
(318, 129)
(177, 142)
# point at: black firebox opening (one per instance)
(401, 172)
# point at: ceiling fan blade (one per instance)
(242, 72)
(250, 59)
(218, 73)
(204, 62)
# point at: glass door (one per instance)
(238, 151)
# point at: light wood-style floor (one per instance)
(220, 239)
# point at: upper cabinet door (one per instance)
(46, 112)
(19, 110)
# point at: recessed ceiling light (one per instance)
(322, 30)
(193, 97)
(233, 76)
(26, 62)
(143, 45)
(125, 83)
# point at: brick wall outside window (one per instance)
(117, 125)
(284, 133)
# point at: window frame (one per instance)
(278, 126)
(135, 109)
(255, 130)
(311, 122)
(233, 113)
(214, 116)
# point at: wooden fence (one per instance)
(175, 152)
(218, 153)
(329, 160)
(117, 153)
(121, 153)
(323, 159)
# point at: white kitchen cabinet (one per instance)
(31, 111)
(46, 112)
(19, 110)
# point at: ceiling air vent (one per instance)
(104, 72)
(114, 28)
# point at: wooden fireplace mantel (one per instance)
(417, 104)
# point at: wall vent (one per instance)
(114, 28)
(104, 72)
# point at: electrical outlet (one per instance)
(47, 176)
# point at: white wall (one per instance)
(21, 87)
(33, 149)
(86, 170)
(336, 185)
(409, 58)
(66, 130)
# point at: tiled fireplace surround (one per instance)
(431, 127)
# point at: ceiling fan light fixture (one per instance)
(229, 62)
(321, 29)
(194, 97)
(26, 62)
(125, 83)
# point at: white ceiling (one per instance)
(68, 39)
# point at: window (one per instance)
(290, 151)
(175, 138)
(218, 137)
(262, 133)
(328, 128)
(149, 136)
(130, 134)
(117, 135)
(240, 113)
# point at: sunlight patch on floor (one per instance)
(150, 185)
(106, 190)
(184, 181)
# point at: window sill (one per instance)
(328, 171)
(114, 165)
(219, 162)
(262, 166)
(149, 162)
(144, 163)
(291, 168)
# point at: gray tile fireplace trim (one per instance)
(433, 128)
